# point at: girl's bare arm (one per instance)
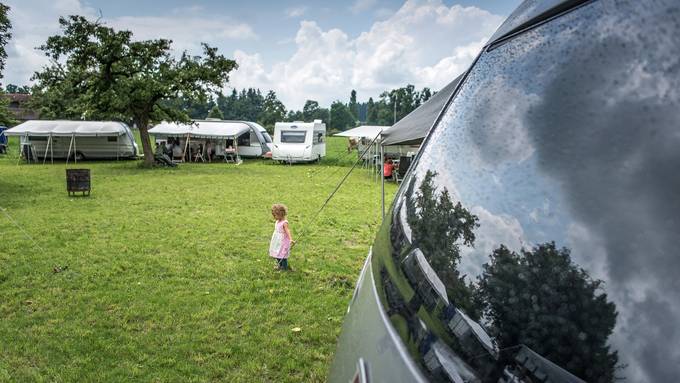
(287, 231)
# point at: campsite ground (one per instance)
(162, 275)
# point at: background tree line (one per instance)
(99, 73)
(251, 105)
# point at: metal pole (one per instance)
(186, 146)
(49, 139)
(52, 150)
(382, 178)
(75, 150)
(68, 155)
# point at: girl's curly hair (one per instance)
(279, 210)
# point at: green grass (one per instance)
(168, 277)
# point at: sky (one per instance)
(315, 50)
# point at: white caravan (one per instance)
(46, 139)
(249, 139)
(299, 141)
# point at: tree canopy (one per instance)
(6, 117)
(540, 298)
(97, 72)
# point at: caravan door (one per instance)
(249, 145)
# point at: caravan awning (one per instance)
(364, 131)
(201, 129)
(412, 129)
(68, 128)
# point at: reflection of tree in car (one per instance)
(540, 298)
(439, 228)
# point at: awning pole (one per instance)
(238, 156)
(68, 155)
(382, 178)
(52, 150)
(75, 150)
(186, 146)
(47, 147)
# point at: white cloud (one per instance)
(425, 43)
(187, 31)
(493, 231)
(186, 26)
(31, 29)
(362, 5)
(296, 11)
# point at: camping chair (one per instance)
(404, 163)
(199, 154)
(230, 155)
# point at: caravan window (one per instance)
(318, 137)
(111, 138)
(253, 137)
(267, 137)
(293, 137)
(244, 139)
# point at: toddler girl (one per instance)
(279, 248)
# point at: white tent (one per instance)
(364, 131)
(87, 130)
(68, 128)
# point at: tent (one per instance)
(364, 131)
(98, 139)
(413, 128)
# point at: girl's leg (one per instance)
(284, 263)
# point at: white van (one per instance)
(299, 141)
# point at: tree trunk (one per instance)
(143, 126)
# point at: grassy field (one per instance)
(162, 274)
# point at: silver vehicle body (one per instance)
(562, 135)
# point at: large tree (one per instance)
(540, 298)
(5, 34)
(97, 72)
(6, 117)
(440, 227)
(353, 106)
(341, 117)
(273, 111)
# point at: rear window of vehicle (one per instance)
(546, 203)
(293, 137)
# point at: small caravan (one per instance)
(61, 139)
(299, 141)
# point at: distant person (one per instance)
(388, 169)
(279, 248)
(161, 157)
(208, 150)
